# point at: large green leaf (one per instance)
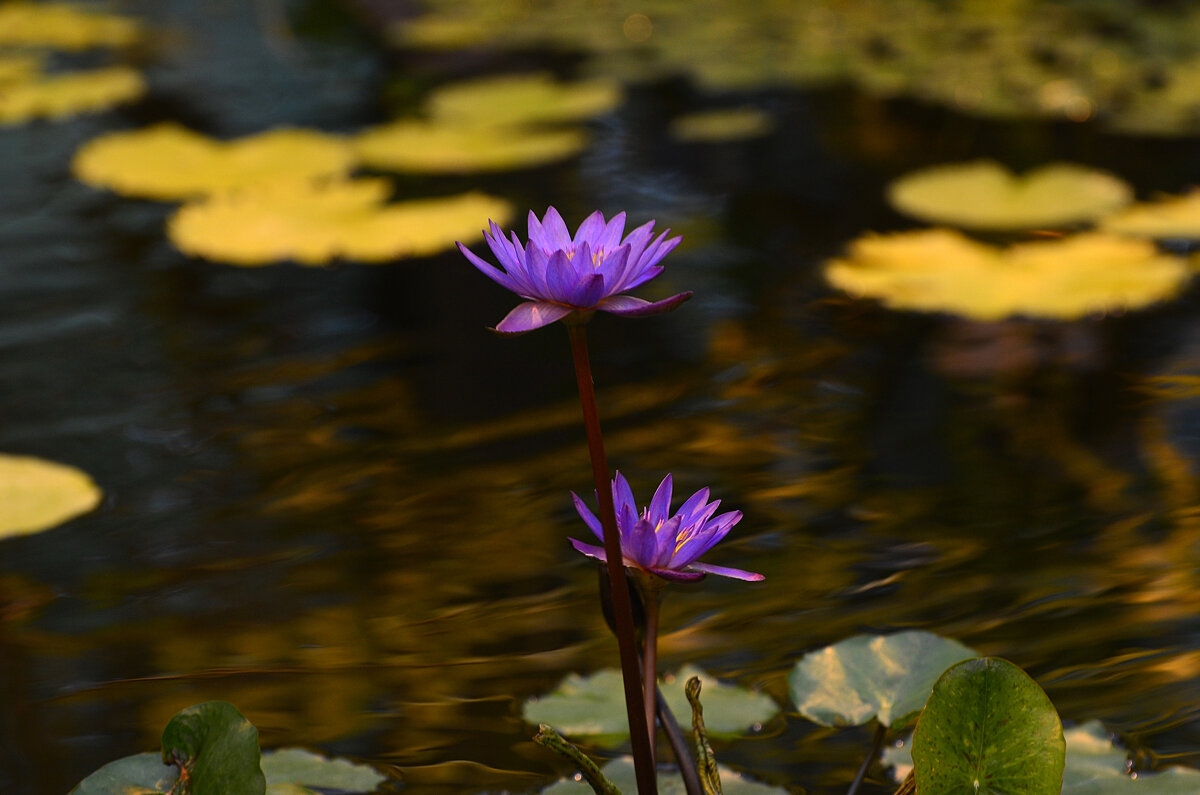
(295, 766)
(594, 705)
(141, 774)
(620, 772)
(988, 729)
(217, 749)
(885, 677)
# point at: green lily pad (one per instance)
(217, 748)
(522, 99)
(988, 729)
(882, 677)
(621, 773)
(594, 705)
(304, 769)
(140, 774)
(1094, 766)
(986, 195)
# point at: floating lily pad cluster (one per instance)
(1064, 276)
(1134, 67)
(30, 89)
(289, 194)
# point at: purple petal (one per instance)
(643, 544)
(535, 269)
(628, 306)
(697, 545)
(660, 505)
(615, 269)
(637, 240)
(588, 517)
(610, 238)
(531, 315)
(590, 229)
(537, 236)
(491, 271)
(627, 519)
(588, 291)
(693, 503)
(504, 251)
(560, 278)
(554, 231)
(664, 544)
(678, 575)
(588, 549)
(622, 494)
(725, 571)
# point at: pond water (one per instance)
(334, 499)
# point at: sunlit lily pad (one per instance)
(872, 677)
(1169, 217)
(64, 26)
(58, 95)
(621, 773)
(304, 771)
(316, 223)
(169, 162)
(37, 495)
(714, 126)
(985, 195)
(594, 705)
(939, 270)
(522, 99)
(1094, 766)
(432, 147)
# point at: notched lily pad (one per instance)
(38, 495)
(621, 773)
(434, 147)
(985, 195)
(881, 677)
(170, 162)
(56, 96)
(939, 270)
(594, 705)
(316, 223)
(522, 99)
(1170, 217)
(717, 126)
(217, 748)
(988, 729)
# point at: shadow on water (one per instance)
(336, 501)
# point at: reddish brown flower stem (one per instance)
(643, 756)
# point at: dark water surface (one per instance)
(335, 500)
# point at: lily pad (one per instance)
(621, 773)
(988, 729)
(881, 677)
(522, 99)
(594, 705)
(38, 494)
(64, 26)
(716, 126)
(217, 748)
(434, 147)
(170, 162)
(316, 223)
(296, 767)
(1169, 217)
(68, 94)
(986, 195)
(141, 774)
(939, 270)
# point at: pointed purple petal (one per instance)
(622, 494)
(725, 571)
(590, 550)
(678, 575)
(660, 505)
(536, 235)
(610, 238)
(643, 544)
(664, 542)
(535, 270)
(590, 229)
(615, 269)
(660, 249)
(489, 270)
(588, 291)
(531, 315)
(637, 240)
(588, 517)
(628, 306)
(693, 503)
(555, 231)
(560, 278)
(501, 248)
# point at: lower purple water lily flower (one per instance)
(559, 274)
(662, 544)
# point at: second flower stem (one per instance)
(651, 589)
(643, 754)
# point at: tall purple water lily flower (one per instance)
(660, 543)
(558, 274)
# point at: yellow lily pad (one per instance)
(431, 147)
(715, 126)
(1169, 217)
(60, 95)
(19, 67)
(38, 495)
(170, 162)
(986, 195)
(64, 26)
(522, 99)
(939, 270)
(314, 223)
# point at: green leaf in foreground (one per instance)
(886, 677)
(593, 705)
(303, 768)
(217, 749)
(988, 729)
(620, 772)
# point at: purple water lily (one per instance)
(559, 274)
(662, 544)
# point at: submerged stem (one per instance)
(876, 744)
(643, 755)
